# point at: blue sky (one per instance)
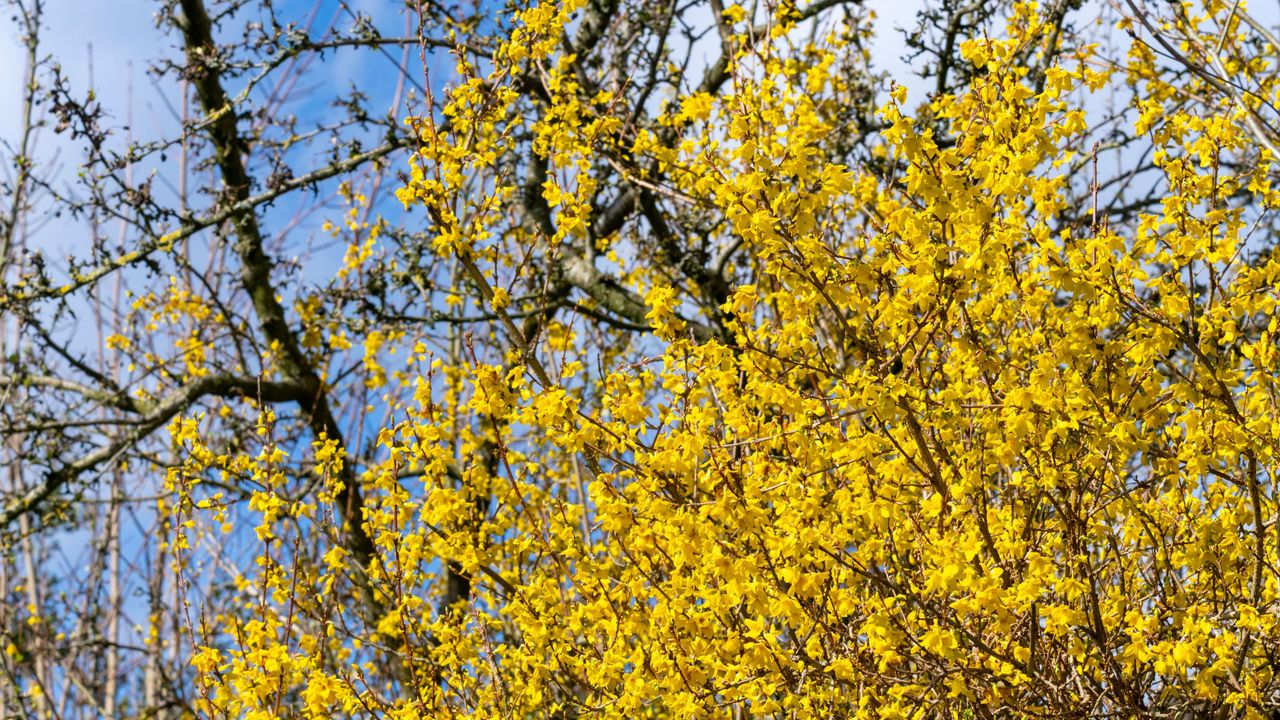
(109, 44)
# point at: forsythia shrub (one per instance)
(947, 445)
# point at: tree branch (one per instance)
(157, 415)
